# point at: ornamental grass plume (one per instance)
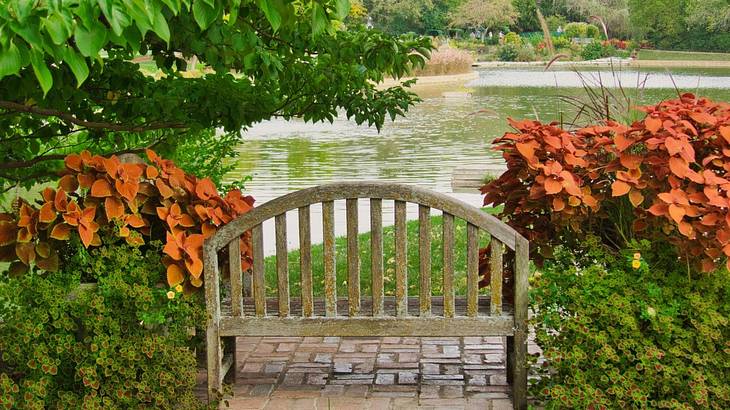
(446, 60)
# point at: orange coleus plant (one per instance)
(666, 176)
(135, 201)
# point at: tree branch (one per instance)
(55, 157)
(47, 112)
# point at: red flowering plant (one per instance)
(135, 201)
(662, 178)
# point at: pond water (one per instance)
(437, 135)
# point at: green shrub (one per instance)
(556, 21)
(526, 53)
(562, 42)
(508, 52)
(597, 49)
(592, 31)
(630, 331)
(125, 344)
(581, 30)
(513, 38)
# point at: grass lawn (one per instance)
(682, 55)
(388, 261)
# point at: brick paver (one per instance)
(371, 373)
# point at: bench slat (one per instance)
(282, 265)
(330, 279)
(448, 263)
(367, 326)
(305, 260)
(353, 258)
(401, 259)
(376, 253)
(234, 264)
(496, 276)
(472, 269)
(259, 285)
(424, 255)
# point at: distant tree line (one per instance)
(668, 24)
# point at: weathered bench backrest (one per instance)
(501, 235)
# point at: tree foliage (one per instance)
(483, 15)
(68, 80)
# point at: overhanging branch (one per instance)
(68, 117)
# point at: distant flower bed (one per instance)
(447, 60)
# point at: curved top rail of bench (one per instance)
(365, 189)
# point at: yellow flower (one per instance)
(636, 264)
(179, 288)
(637, 255)
(171, 295)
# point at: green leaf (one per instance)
(23, 9)
(161, 28)
(57, 27)
(42, 73)
(90, 41)
(173, 5)
(342, 9)
(10, 62)
(204, 14)
(271, 13)
(29, 33)
(319, 20)
(118, 19)
(77, 64)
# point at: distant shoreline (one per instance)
(608, 62)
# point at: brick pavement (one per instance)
(371, 373)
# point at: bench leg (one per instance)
(518, 369)
(215, 359)
(510, 363)
(230, 349)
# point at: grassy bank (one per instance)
(682, 55)
(388, 261)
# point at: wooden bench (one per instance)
(365, 315)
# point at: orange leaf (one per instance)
(708, 265)
(175, 275)
(60, 202)
(678, 166)
(558, 204)
(725, 132)
(573, 201)
(124, 231)
(101, 188)
(630, 161)
(128, 190)
(85, 180)
(135, 221)
(48, 194)
(527, 151)
(208, 230)
(46, 214)
(73, 161)
(8, 232)
(553, 186)
(61, 231)
(49, 264)
(186, 221)
(703, 118)
(113, 207)
(674, 146)
(636, 197)
(677, 212)
(686, 229)
(619, 188)
(195, 266)
(43, 249)
(658, 209)
(25, 252)
(197, 282)
(151, 172)
(205, 189)
(164, 189)
(653, 124)
(68, 183)
(86, 234)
